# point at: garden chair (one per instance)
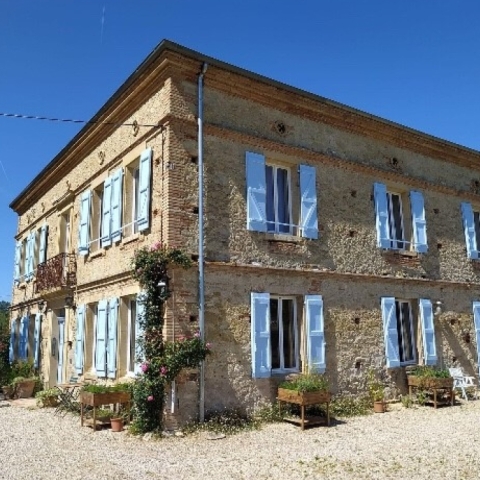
(462, 381)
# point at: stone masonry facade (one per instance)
(350, 152)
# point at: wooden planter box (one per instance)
(97, 400)
(419, 382)
(304, 399)
(435, 385)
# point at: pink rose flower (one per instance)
(156, 246)
(144, 367)
(197, 335)
(163, 371)
(150, 398)
(208, 345)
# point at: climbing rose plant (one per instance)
(162, 360)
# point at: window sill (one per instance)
(282, 237)
(130, 239)
(97, 253)
(401, 253)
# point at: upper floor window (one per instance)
(104, 215)
(269, 198)
(471, 226)
(400, 219)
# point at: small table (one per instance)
(433, 384)
(98, 399)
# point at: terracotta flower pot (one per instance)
(117, 424)
(25, 388)
(379, 407)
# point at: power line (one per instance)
(70, 120)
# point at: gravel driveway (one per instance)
(415, 443)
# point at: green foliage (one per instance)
(407, 401)
(307, 383)
(376, 389)
(46, 397)
(104, 414)
(350, 407)
(6, 375)
(427, 372)
(270, 413)
(118, 387)
(23, 368)
(163, 360)
(422, 396)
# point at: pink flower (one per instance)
(150, 398)
(208, 346)
(197, 335)
(144, 367)
(156, 246)
(139, 271)
(181, 338)
(163, 371)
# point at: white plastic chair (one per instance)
(462, 381)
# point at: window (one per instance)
(406, 340)
(276, 334)
(132, 197)
(283, 333)
(399, 327)
(400, 219)
(278, 204)
(269, 198)
(96, 219)
(132, 319)
(476, 224)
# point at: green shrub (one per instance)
(426, 372)
(307, 383)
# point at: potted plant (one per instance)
(24, 386)
(430, 377)
(116, 422)
(376, 391)
(47, 398)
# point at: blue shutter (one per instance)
(256, 192)
(315, 334)
(18, 259)
(428, 332)
(107, 213)
(469, 229)
(36, 340)
(419, 222)
(381, 213)
(22, 349)
(143, 220)
(84, 229)
(308, 208)
(112, 338)
(101, 339)
(11, 347)
(261, 357)
(476, 321)
(42, 253)
(26, 260)
(390, 333)
(117, 187)
(80, 339)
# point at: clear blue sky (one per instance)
(413, 62)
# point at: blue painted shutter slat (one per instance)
(117, 187)
(107, 213)
(476, 321)
(143, 220)
(140, 312)
(79, 339)
(23, 338)
(11, 347)
(18, 259)
(390, 333)
(381, 214)
(101, 340)
(315, 334)
(256, 192)
(308, 209)
(84, 229)
(261, 358)
(112, 338)
(36, 340)
(419, 222)
(469, 229)
(42, 253)
(428, 332)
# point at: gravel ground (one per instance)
(416, 443)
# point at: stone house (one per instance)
(335, 241)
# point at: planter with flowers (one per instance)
(162, 361)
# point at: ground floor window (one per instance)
(284, 333)
(405, 330)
